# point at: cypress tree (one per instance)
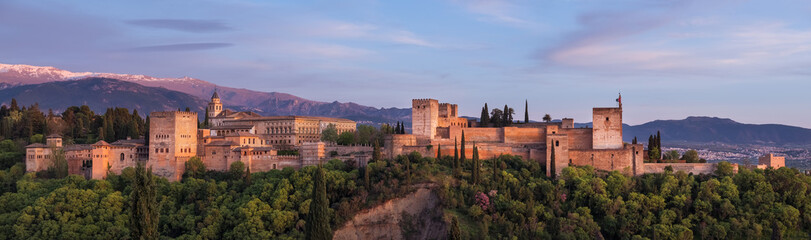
(454, 233)
(506, 118)
(143, 205)
(14, 106)
(476, 172)
(455, 156)
(366, 178)
(439, 151)
(317, 225)
(659, 140)
(526, 111)
(485, 116)
(205, 122)
(462, 157)
(146, 130)
(376, 152)
(552, 162)
(248, 177)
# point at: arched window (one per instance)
(122, 156)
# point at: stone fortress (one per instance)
(275, 142)
(436, 127)
(174, 138)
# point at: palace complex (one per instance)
(275, 142)
(437, 129)
(174, 138)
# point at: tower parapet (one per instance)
(424, 117)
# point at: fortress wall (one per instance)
(477, 134)
(263, 163)
(215, 159)
(579, 138)
(486, 151)
(694, 168)
(610, 159)
(343, 150)
(393, 144)
(443, 133)
(561, 142)
(523, 135)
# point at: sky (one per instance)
(745, 60)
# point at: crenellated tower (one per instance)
(424, 117)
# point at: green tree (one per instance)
(346, 138)
(654, 154)
(484, 119)
(454, 233)
(547, 118)
(237, 170)
(672, 155)
(330, 134)
(206, 120)
(476, 171)
(317, 226)
(143, 205)
(691, 156)
(723, 169)
(195, 168)
(455, 157)
(376, 155)
(462, 151)
(59, 165)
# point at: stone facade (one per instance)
(435, 127)
(172, 141)
(770, 160)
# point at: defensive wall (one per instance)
(694, 168)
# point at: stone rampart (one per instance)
(694, 168)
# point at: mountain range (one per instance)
(264, 103)
(58, 89)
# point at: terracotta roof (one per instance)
(235, 126)
(36, 145)
(78, 147)
(101, 143)
(215, 95)
(221, 143)
(264, 118)
(241, 134)
(55, 135)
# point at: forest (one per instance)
(500, 198)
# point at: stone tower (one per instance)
(607, 128)
(215, 106)
(172, 141)
(424, 117)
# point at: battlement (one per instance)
(173, 113)
(423, 101)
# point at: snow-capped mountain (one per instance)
(265, 103)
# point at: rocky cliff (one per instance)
(415, 216)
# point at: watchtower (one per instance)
(607, 127)
(424, 117)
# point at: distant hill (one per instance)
(720, 130)
(100, 94)
(264, 103)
